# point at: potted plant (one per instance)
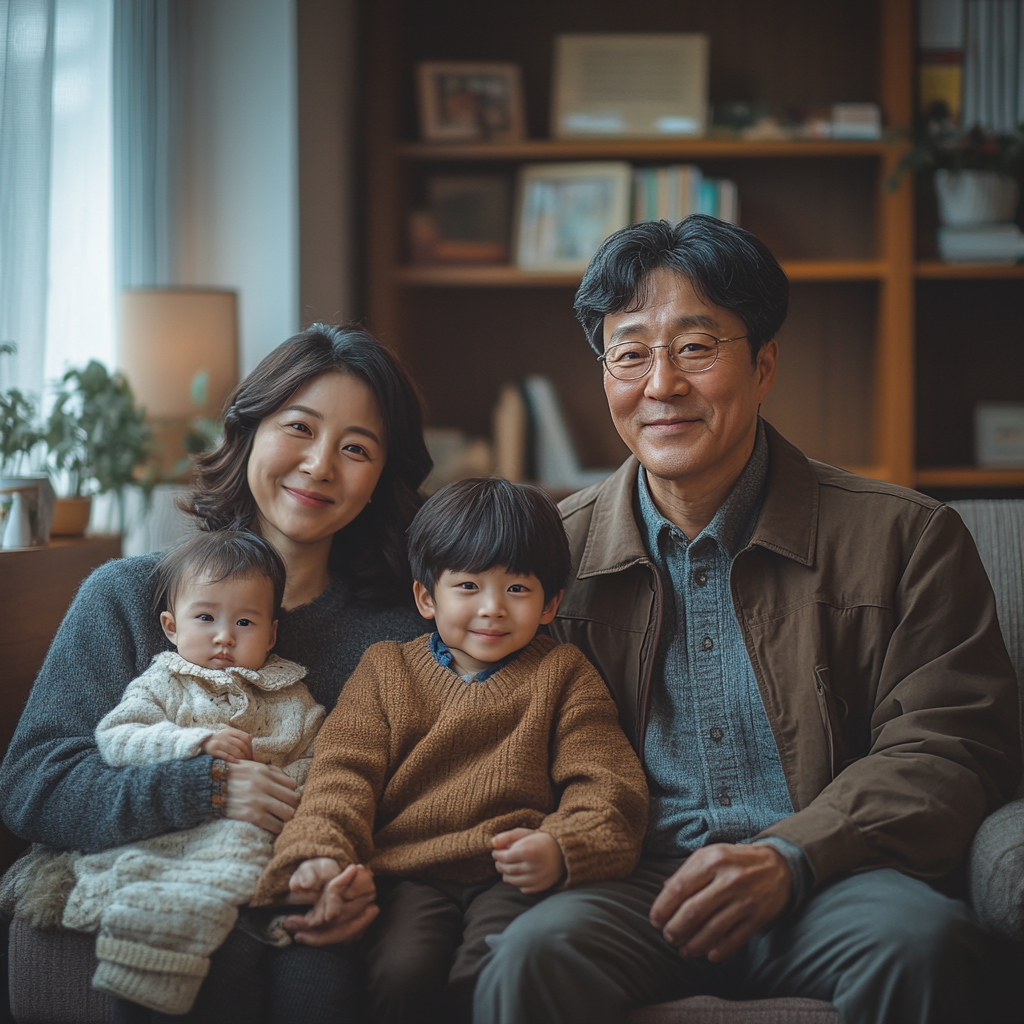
(19, 429)
(98, 439)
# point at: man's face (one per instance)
(693, 429)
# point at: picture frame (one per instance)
(630, 84)
(999, 435)
(564, 212)
(461, 101)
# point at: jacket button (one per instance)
(717, 734)
(723, 799)
(707, 644)
(700, 578)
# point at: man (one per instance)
(808, 663)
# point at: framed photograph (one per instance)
(999, 434)
(565, 211)
(630, 84)
(466, 221)
(470, 102)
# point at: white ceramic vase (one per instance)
(975, 197)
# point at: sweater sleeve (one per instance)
(602, 813)
(54, 786)
(336, 816)
(140, 730)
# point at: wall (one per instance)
(237, 202)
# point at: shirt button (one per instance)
(707, 644)
(717, 734)
(700, 578)
(723, 799)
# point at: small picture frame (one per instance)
(565, 211)
(467, 102)
(999, 434)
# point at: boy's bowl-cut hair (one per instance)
(215, 556)
(480, 524)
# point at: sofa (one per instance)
(49, 972)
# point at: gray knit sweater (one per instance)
(54, 786)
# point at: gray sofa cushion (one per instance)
(995, 872)
(709, 1010)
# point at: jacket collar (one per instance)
(276, 673)
(788, 524)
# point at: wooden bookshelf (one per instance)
(858, 380)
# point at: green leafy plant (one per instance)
(97, 435)
(940, 144)
(203, 433)
(19, 429)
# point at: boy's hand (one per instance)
(528, 859)
(310, 877)
(344, 908)
(231, 745)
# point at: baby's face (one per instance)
(223, 624)
(483, 617)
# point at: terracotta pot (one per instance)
(70, 517)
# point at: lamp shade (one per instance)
(166, 337)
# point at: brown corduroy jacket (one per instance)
(871, 628)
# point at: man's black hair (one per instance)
(214, 556)
(727, 266)
(480, 524)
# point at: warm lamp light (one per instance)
(166, 337)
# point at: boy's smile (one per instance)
(483, 617)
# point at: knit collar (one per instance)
(444, 657)
(276, 674)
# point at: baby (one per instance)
(473, 770)
(163, 905)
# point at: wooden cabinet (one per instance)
(855, 386)
(36, 587)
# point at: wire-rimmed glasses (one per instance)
(691, 353)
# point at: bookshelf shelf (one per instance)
(968, 271)
(639, 150)
(503, 276)
(969, 476)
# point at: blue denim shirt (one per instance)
(712, 762)
(443, 656)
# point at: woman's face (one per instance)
(315, 462)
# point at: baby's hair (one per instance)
(480, 524)
(215, 556)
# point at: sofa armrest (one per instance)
(995, 871)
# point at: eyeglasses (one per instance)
(691, 353)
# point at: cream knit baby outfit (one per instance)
(163, 905)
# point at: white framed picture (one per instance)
(999, 434)
(467, 102)
(630, 84)
(565, 211)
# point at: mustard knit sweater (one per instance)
(416, 770)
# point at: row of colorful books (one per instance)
(674, 192)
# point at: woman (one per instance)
(322, 455)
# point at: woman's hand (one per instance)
(344, 909)
(230, 744)
(530, 860)
(261, 794)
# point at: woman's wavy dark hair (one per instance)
(370, 552)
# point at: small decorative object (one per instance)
(464, 102)
(630, 84)
(97, 437)
(999, 434)
(467, 221)
(856, 121)
(565, 211)
(26, 510)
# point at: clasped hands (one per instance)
(343, 900)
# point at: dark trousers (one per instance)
(423, 951)
(884, 948)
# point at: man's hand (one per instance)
(528, 859)
(230, 744)
(261, 794)
(720, 896)
(344, 906)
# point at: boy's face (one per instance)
(224, 624)
(484, 616)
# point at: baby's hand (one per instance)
(231, 745)
(528, 859)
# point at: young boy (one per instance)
(473, 770)
(161, 906)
